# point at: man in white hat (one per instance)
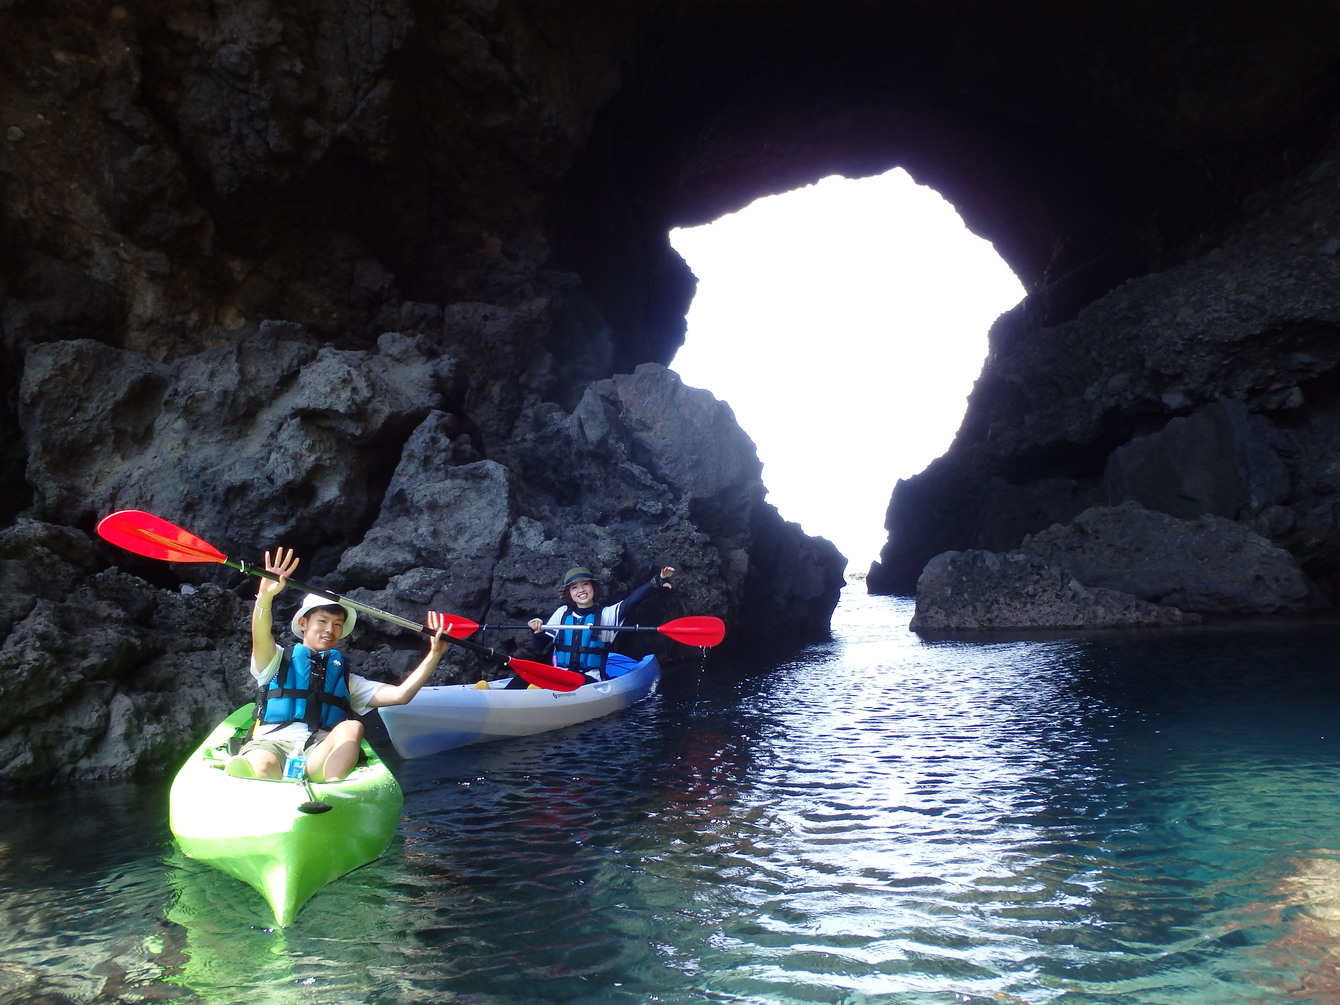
(312, 699)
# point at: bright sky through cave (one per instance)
(844, 323)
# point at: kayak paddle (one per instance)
(313, 804)
(153, 537)
(695, 630)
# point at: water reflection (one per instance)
(882, 819)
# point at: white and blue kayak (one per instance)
(447, 716)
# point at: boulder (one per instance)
(1114, 566)
(1210, 565)
(1219, 461)
(100, 677)
(982, 590)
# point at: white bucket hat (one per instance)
(314, 600)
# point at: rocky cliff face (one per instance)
(1198, 378)
(1204, 389)
(287, 275)
(390, 281)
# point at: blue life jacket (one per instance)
(309, 687)
(581, 651)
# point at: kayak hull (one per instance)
(253, 829)
(455, 715)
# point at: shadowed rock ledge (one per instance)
(1121, 566)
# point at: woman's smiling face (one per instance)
(582, 593)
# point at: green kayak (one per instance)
(274, 834)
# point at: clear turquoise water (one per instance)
(1111, 818)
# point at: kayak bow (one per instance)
(268, 832)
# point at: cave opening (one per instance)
(844, 323)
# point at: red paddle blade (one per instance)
(150, 536)
(696, 630)
(458, 627)
(544, 675)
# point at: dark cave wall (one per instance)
(1088, 146)
(327, 164)
(1186, 144)
(360, 273)
(175, 175)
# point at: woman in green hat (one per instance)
(585, 648)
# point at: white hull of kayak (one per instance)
(455, 715)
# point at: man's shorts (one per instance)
(282, 748)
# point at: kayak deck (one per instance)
(253, 829)
(448, 716)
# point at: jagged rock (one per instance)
(1210, 565)
(1218, 460)
(1118, 565)
(644, 472)
(275, 438)
(461, 209)
(1208, 386)
(100, 677)
(451, 519)
(666, 476)
(981, 590)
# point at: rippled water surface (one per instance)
(1110, 818)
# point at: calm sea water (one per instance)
(1126, 817)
